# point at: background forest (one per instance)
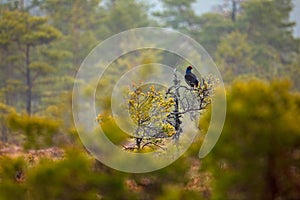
(42, 45)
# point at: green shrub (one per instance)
(38, 130)
(257, 155)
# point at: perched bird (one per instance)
(190, 78)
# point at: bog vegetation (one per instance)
(42, 44)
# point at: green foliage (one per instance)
(213, 28)
(268, 23)
(156, 183)
(75, 177)
(259, 42)
(29, 30)
(123, 15)
(111, 129)
(71, 178)
(77, 21)
(5, 111)
(121, 66)
(269, 29)
(38, 131)
(148, 110)
(71, 15)
(257, 155)
(150, 107)
(292, 71)
(20, 35)
(179, 15)
(11, 177)
(235, 55)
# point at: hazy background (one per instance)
(256, 49)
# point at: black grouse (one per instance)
(190, 78)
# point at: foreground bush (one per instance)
(258, 153)
(74, 177)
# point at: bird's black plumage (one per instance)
(190, 78)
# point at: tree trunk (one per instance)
(271, 183)
(234, 10)
(176, 109)
(76, 35)
(138, 143)
(22, 5)
(4, 135)
(28, 80)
